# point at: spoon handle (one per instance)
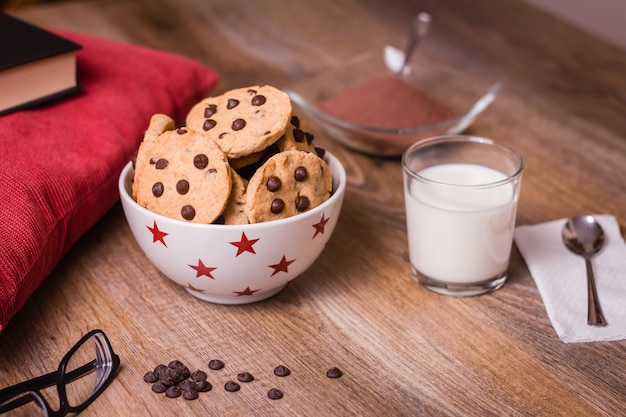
(594, 312)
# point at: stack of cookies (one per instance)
(243, 157)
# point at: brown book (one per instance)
(36, 66)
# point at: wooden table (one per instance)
(404, 350)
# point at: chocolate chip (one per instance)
(150, 377)
(281, 370)
(190, 395)
(334, 372)
(158, 387)
(209, 124)
(295, 121)
(320, 152)
(298, 135)
(186, 384)
(188, 212)
(300, 174)
(275, 394)
(161, 163)
(210, 110)
(181, 130)
(232, 103)
(245, 377)
(258, 100)
(251, 92)
(168, 380)
(159, 369)
(309, 138)
(198, 375)
(277, 206)
(216, 364)
(182, 187)
(172, 392)
(157, 189)
(232, 386)
(302, 203)
(273, 183)
(202, 386)
(200, 161)
(238, 124)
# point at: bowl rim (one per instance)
(338, 190)
(456, 124)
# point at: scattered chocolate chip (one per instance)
(172, 392)
(258, 100)
(158, 387)
(334, 372)
(198, 375)
(181, 130)
(295, 121)
(320, 152)
(281, 370)
(300, 174)
(182, 187)
(277, 206)
(210, 110)
(161, 163)
(202, 386)
(185, 385)
(216, 364)
(159, 369)
(273, 183)
(212, 170)
(188, 212)
(157, 189)
(238, 124)
(209, 124)
(190, 395)
(245, 377)
(302, 203)
(232, 386)
(168, 380)
(200, 161)
(232, 103)
(251, 92)
(150, 377)
(275, 394)
(309, 138)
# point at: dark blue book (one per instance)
(36, 66)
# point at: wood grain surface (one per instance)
(404, 350)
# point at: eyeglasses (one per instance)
(83, 374)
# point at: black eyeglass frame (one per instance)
(60, 378)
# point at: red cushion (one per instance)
(59, 164)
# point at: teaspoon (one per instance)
(419, 29)
(584, 236)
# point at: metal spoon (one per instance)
(584, 236)
(419, 29)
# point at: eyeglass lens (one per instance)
(25, 404)
(87, 370)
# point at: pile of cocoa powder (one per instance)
(387, 102)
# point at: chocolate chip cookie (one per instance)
(183, 175)
(288, 183)
(242, 121)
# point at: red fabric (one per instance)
(59, 164)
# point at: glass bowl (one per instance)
(463, 93)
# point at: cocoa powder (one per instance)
(387, 102)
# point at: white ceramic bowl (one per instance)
(234, 264)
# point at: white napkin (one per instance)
(561, 278)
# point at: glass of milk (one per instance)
(461, 196)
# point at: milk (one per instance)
(458, 233)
